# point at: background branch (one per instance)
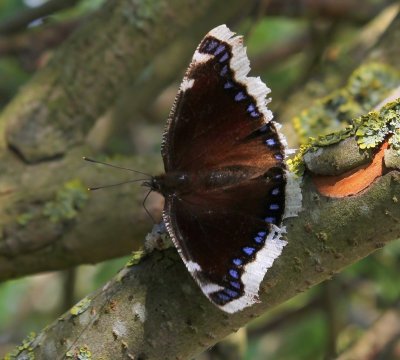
(37, 40)
(21, 20)
(350, 10)
(379, 341)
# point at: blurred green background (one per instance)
(284, 50)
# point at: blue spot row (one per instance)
(219, 50)
(275, 191)
(224, 70)
(231, 293)
(227, 294)
(270, 220)
(259, 239)
(235, 284)
(254, 114)
(252, 110)
(234, 273)
(248, 250)
(237, 261)
(224, 57)
(274, 207)
(240, 96)
(223, 297)
(271, 142)
(228, 85)
(212, 44)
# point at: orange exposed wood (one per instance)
(353, 181)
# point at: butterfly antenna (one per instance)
(114, 166)
(145, 208)
(116, 184)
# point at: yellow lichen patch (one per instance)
(26, 347)
(296, 164)
(375, 127)
(136, 258)
(83, 353)
(81, 306)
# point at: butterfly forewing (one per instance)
(215, 121)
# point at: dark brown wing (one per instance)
(228, 237)
(220, 117)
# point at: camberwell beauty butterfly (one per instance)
(225, 185)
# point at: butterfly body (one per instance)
(225, 185)
(179, 183)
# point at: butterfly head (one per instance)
(155, 183)
(175, 182)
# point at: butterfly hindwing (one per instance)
(229, 238)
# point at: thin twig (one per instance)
(37, 41)
(22, 19)
(358, 11)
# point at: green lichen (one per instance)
(26, 347)
(25, 218)
(80, 307)
(68, 202)
(366, 88)
(333, 138)
(391, 112)
(136, 258)
(296, 164)
(83, 353)
(372, 130)
(375, 127)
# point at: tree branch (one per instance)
(37, 40)
(48, 221)
(20, 20)
(154, 310)
(352, 10)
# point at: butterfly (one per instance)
(226, 186)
